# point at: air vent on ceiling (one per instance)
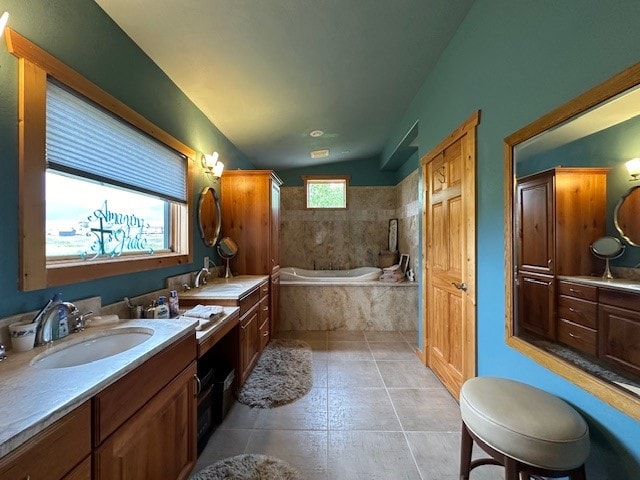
(320, 153)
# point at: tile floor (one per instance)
(374, 412)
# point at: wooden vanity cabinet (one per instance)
(559, 213)
(250, 202)
(619, 332)
(145, 423)
(61, 451)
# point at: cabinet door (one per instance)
(536, 312)
(619, 337)
(275, 226)
(275, 302)
(535, 224)
(264, 322)
(158, 442)
(249, 342)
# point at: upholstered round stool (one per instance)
(525, 429)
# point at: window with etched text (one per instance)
(109, 187)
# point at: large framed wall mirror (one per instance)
(570, 188)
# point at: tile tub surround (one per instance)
(353, 237)
(34, 398)
(367, 306)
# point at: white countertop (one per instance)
(33, 398)
(624, 284)
(225, 288)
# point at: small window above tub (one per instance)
(328, 192)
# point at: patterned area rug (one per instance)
(248, 467)
(283, 374)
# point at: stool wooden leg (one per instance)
(510, 469)
(580, 474)
(466, 446)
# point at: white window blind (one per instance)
(85, 140)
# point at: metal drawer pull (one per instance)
(266, 334)
(571, 309)
(199, 385)
(266, 309)
(577, 337)
(574, 290)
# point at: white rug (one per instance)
(248, 467)
(283, 374)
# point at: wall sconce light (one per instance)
(3, 22)
(212, 165)
(633, 166)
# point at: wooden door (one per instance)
(449, 257)
(158, 442)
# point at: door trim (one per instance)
(467, 128)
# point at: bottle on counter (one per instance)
(174, 305)
(162, 310)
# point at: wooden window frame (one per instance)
(35, 66)
(338, 178)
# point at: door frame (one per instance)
(467, 128)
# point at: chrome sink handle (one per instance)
(80, 321)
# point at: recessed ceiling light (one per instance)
(320, 153)
(316, 133)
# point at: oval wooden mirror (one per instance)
(627, 216)
(209, 216)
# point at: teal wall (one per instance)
(364, 172)
(81, 35)
(515, 61)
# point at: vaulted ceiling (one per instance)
(269, 72)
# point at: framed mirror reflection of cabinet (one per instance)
(566, 186)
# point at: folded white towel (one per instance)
(209, 312)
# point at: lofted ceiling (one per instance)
(269, 72)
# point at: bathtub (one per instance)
(361, 274)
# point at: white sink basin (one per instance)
(94, 348)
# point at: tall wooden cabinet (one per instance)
(559, 213)
(251, 217)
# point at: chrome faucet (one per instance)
(44, 332)
(201, 276)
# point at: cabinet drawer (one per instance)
(618, 298)
(264, 310)
(118, 402)
(577, 336)
(249, 301)
(54, 452)
(264, 290)
(582, 312)
(264, 334)
(586, 292)
(81, 472)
